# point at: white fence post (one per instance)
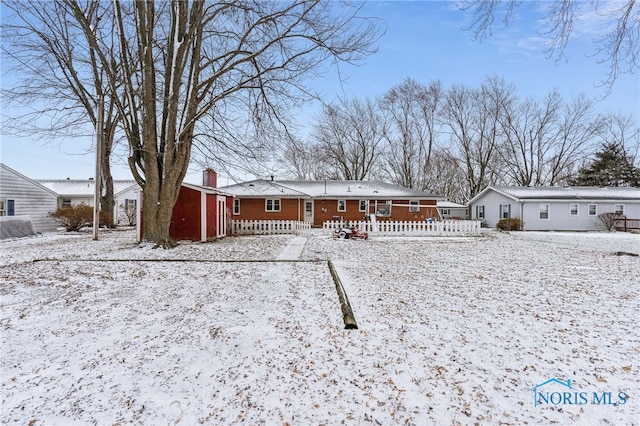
(390, 228)
(268, 227)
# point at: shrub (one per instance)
(74, 218)
(511, 224)
(130, 213)
(609, 220)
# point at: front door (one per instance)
(308, 211)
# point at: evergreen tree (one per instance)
(611, 167)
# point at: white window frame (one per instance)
(447, 212)
(272, 205)
(480, 212)
(503, 211)
(384, 209)
(595, 209)
(414, 206)
(544, 210)
(236, 206)
(577, 209)
(66, 202)
(620, 210)
(363, 205)
(342, 206)
(6, 206)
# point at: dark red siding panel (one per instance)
(185, 223)
(212, 215)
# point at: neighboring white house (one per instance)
(554, 208)
(21, 196)
(450, 210)
(75, 191)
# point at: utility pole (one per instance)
(98, 179)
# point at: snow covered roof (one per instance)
(82, 187)
(450, 205)
(325, 189)
(205, 189)
(565, 193)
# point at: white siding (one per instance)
(31, 199)
(121, 197)
(559, 217)
(491, 201)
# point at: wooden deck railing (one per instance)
(627, 224)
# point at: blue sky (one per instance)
(425, 40)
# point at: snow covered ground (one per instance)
(451, 330)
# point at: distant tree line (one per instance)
(455, 141)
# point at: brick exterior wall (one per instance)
(325, 209)
(255, 209)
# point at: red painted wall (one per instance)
(185, 223)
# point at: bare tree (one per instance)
(618, 43)
(623, 131)
(349, 136)
(306, 161)
(411, 110)
(530, 127)
(59, 79)
(447, 178)
(473, 117)
(574, 140)
(178, 61)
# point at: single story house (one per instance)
(450, 210)
(76, 191)
(316, 202)
(21, 196)
(554, 208)
(201, 213)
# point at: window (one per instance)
(593, 209)
(446, 212)
(414, 206)
(384, 209)
(11, 207)
(66, 202)
(543, 211)
(505, 211)
(364, 206)
(2, 212)
(342, 205)
(236, 206)
(618, 209)
(273, 205)
(573, 209)
(130, 204)
(479, 212)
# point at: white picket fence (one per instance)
(391, 228)
(268, 227)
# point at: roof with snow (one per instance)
(368, 189)
(82, 187)
(565, 193)
(450, 205)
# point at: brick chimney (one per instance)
(209, 178)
